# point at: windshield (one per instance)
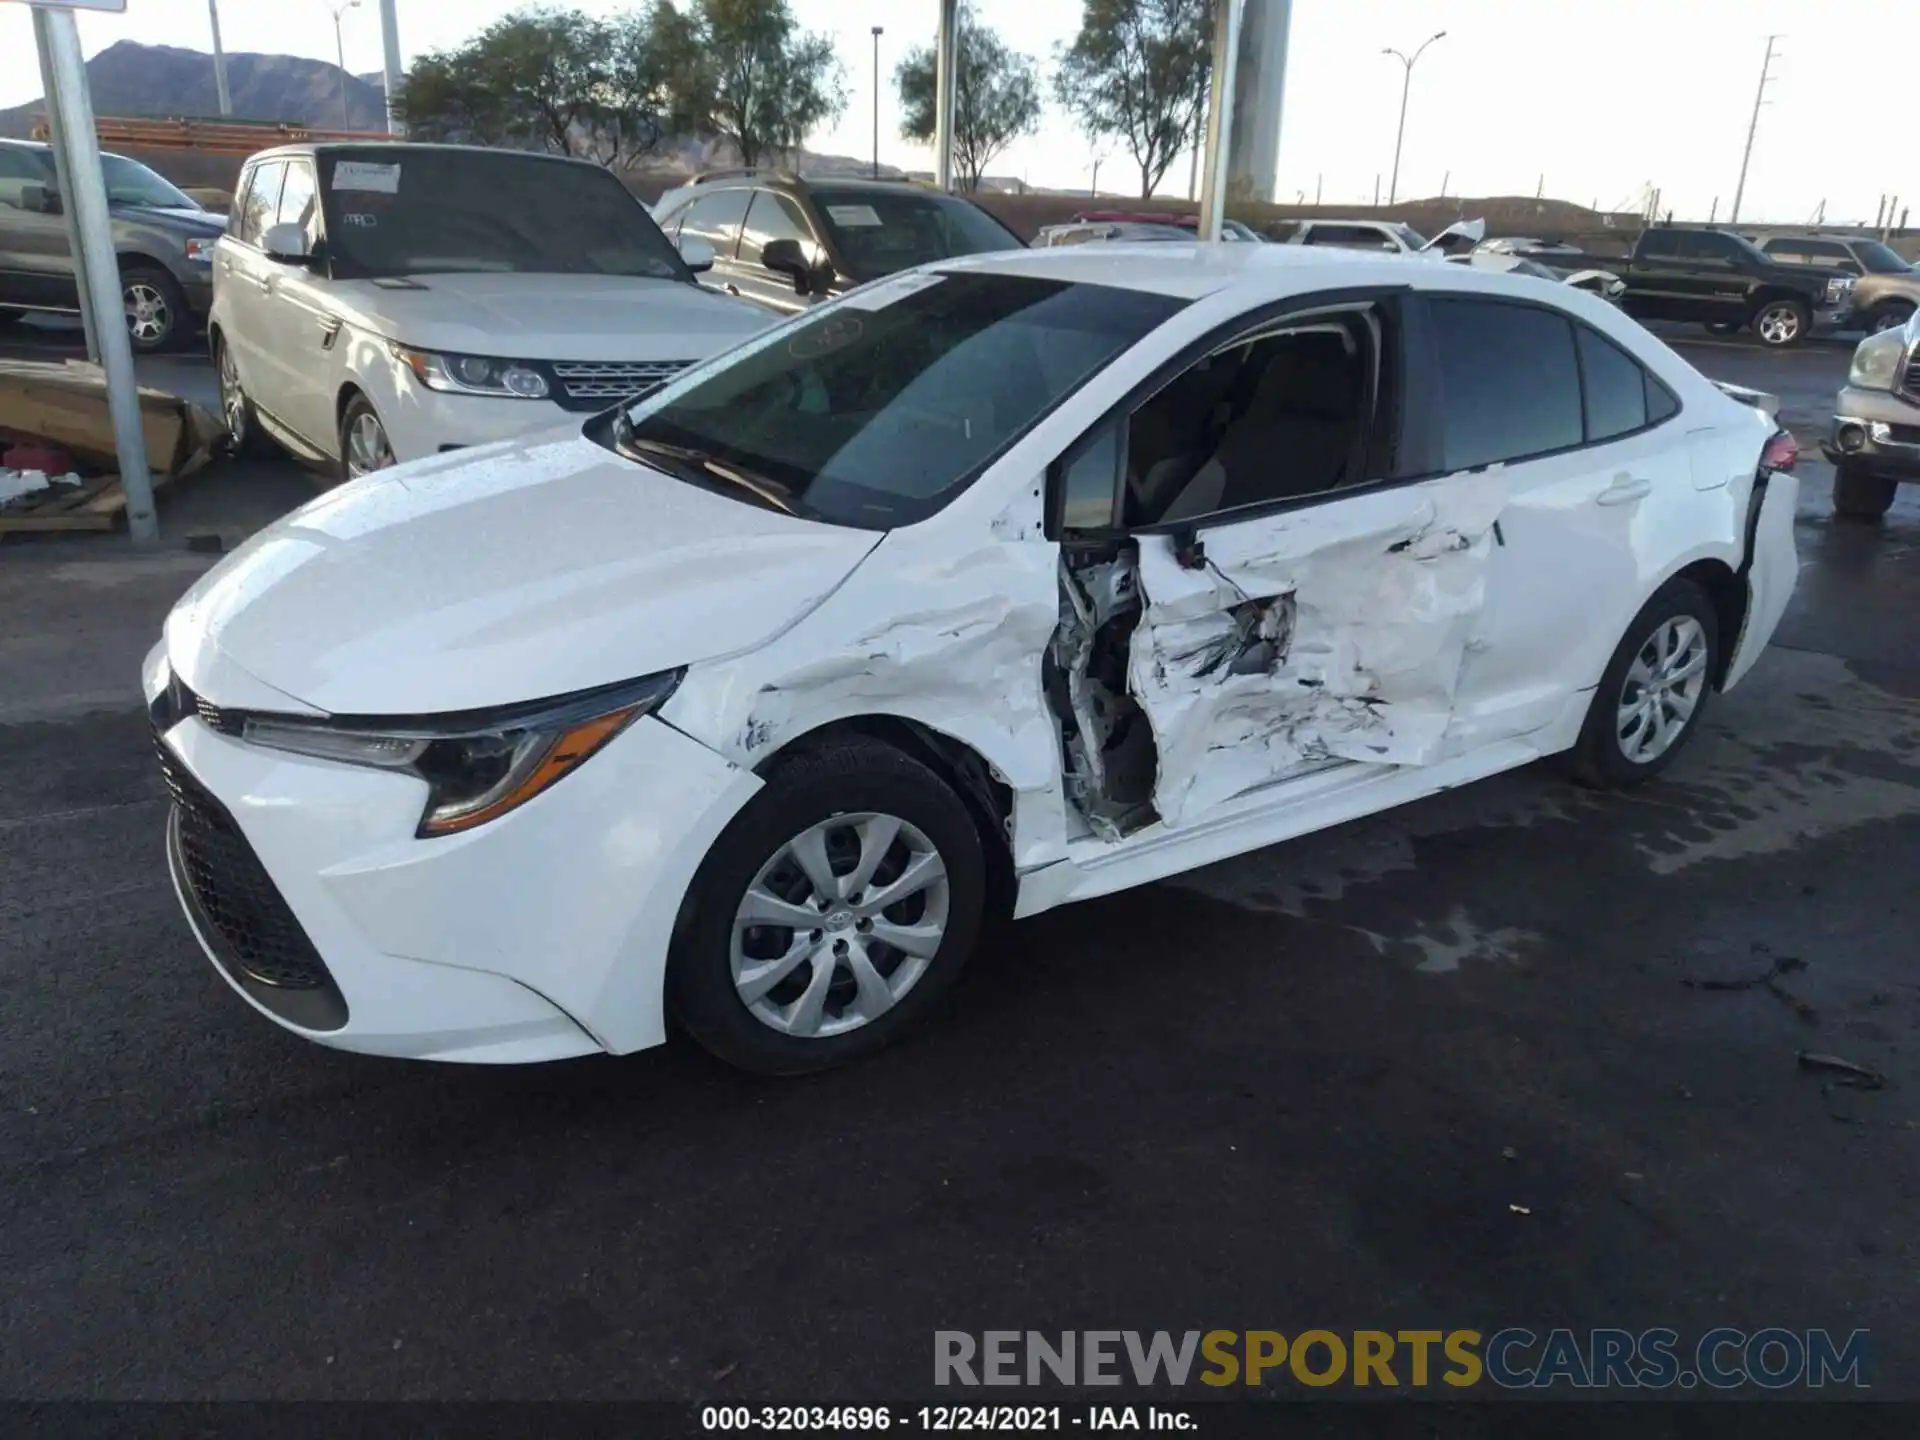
(419, 211)
(131, 183)
(1877, 259)
(875, 411)
(880, 231)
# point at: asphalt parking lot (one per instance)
(1488, 1060)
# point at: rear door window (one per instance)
(1510, 381)
(1615, 387)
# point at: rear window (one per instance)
(419, 211)
(875, 411)
(880, 231)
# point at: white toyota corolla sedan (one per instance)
(1001, 584)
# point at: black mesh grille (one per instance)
(235, 896)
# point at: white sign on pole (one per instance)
(116, 6)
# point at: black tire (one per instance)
(1796, 319)
(840, 777)
(156, 288)
(1860, 496)
(245, 437)
(1890, 315)
(1726, 327)
(1598, 759)
(357, 408)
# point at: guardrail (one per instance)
(216, 137)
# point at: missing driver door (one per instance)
(1327, 634)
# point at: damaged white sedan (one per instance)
(997, 585)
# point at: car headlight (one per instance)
(200, 252)
(1838, 287)
(475, 374)
(1876, 361)
(477, 768)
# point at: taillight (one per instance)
(1781, 453)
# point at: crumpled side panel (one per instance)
(1325, 635)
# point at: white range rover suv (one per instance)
(379, 303)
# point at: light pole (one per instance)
(878, 31)
(219, 60)
(339, 9)
(1393, 186)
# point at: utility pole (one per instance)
(1406, 84)
(1316, 187)
(63, 179)
(1445, 180)
(390, 59)
(1220, 102)
(878, 31)
(1759, 98)
(93, 226)
(946, 86)
(1376, 190)
(1093, 187)
(339, 9)
(1713, 211)
(219, 60)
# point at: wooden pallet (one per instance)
(94, 505)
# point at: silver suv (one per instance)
(163, 237)
(1875, 440)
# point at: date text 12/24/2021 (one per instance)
(941, 1419)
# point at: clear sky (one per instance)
(1600, 98)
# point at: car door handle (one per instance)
(731, 288)
(1624, 490)
(265, 284)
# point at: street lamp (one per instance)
(219, 60)
(339, 9)
(878, 31)
(1393, 186)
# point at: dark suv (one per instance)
(164, 241)
(785, 242)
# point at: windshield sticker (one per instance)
(361, 221)
(882, 293)
(360, 175)
(836, 332)
(853, 215)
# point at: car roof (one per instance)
(399, 149)
(1189, 271)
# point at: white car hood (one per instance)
(551, 317)
(501, 574)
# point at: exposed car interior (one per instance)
(1277, 417)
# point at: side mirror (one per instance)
(785, 257)
(40, 199)
(698, 254)
(287, 244)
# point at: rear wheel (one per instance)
(244, 435)
(157, 317)
(1860, 496)
(1782, 323)
(831, 914)
(1654, 691)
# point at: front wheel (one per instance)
(1782, 323)
(1654, 691)
(364, 447)
(1889, 316)
(1860, 496)
(832, 913)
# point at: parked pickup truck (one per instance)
(1725, 282)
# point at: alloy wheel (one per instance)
(1778, 324)
(149, 316)
(1890, 318)
(1662, 690)
(233, 401)
(367, 447)
(839, 925)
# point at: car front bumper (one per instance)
(1875, 431)
(538, 936)
(421, 422)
